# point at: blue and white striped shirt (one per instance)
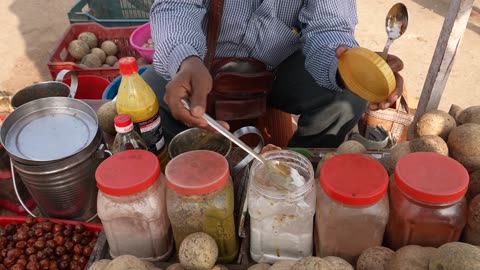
(262, 29)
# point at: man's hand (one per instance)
(194, 82)
(396, 65)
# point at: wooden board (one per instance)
(101, 251)
(447, 46)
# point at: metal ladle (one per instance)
(395, 24)
(278, 172)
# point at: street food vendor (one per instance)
(300, 41)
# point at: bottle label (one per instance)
(124, 129)
(152, 133)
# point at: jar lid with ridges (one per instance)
(431, 177)
(197, 172)
(127, 172)
(354, 179)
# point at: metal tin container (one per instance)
(55, 145)
(48, 130)
(65, 189)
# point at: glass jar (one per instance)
(281, 222)
(352, 206)
(131, 204)
(427, 204)
(200, 199)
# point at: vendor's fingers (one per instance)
(224, 124)
(395, 63)
(175, 90)
(184, 115)
(373, 106)
(201, 87)
(396, 94)
(341, 50)
(174, 93)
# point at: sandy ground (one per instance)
(30, 29)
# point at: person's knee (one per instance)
(353, 104)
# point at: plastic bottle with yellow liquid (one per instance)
(137, 99)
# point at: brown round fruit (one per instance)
(374, 258)
(429, 143)
(435, 122)
(464, 145)
(89, 38)
(470, 115)
(198, 251)
(106, 114)
(109, 47)
(91, 60)
(78, 49)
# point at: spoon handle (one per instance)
(214, 124)
(385, 49)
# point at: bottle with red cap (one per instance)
(352, 206)
(137, 99)
(127, 138)
(427, 201)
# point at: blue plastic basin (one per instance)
(112, 89)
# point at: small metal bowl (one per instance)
(198, 139)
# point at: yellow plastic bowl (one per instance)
(366, 74)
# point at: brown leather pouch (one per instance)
(240, 84)
(240, 88)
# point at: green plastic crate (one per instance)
(111, 12)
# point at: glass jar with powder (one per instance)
(281, 221)
(200, 199)
(428, 207)
(352, 206)
(131, 204)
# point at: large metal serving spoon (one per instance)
(281, 175)
(395, 24)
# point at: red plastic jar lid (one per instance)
(431, 177)
(197, 172)
(354, 179)
(127, 65)
(127, 172)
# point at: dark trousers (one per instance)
(326, 116)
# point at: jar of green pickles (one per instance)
(200, 199)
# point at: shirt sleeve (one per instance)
(176, 27)
(326, 24)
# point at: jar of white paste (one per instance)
(281, 221)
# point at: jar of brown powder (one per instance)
(427, 201)
(352, 206)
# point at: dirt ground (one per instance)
(32, 28)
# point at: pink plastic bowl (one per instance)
(139, 37)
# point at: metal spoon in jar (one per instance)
(278, 172)
(396, 24)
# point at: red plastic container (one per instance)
(139, 37)
(89, 86)
(60, 58)
(4, 220)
